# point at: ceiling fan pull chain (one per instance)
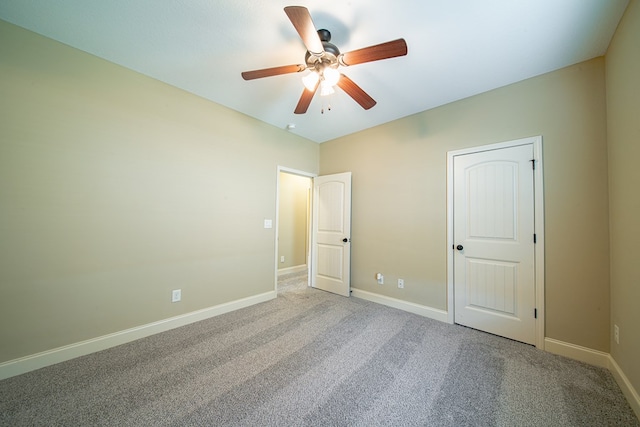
(328, 104)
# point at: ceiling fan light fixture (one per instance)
(326, 75)
(311, 80)
(331, 76)
(326, 88)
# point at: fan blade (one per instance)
(275, 71)
(301, 20)
(305, 100)
(386, 50)
(356, 92)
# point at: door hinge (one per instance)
(535, 313)
(533, 164)
(535, 238)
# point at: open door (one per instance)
(494, 235)
(331, 262)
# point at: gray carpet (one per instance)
(310, 358)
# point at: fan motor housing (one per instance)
(331, 52)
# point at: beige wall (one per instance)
(623, 130)
(399, 194)
(116, 189)
(293, 220)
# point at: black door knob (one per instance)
(459, 247)
(345, 240)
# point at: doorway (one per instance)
(293, 223)
(496, 239)
(313, 229)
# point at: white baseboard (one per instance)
(625, 385)
(294, 269)
(50, 357)
(422, 310)
(597, 358)
(576, 352)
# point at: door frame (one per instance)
(309, 175)
(538, 189)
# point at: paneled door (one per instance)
(494, 252)
(331, 263)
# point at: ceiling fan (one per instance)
(323, 59)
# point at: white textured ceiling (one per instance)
(457, 48)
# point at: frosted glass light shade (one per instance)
(326, 88)
(331, 76)
(310, 80)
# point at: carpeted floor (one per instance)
(310, 358)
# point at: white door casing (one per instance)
(494, 274)
(331, 253)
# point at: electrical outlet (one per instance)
(400, 283)
(176, 295)
(616, 334)
(282, 258)
(380, 278)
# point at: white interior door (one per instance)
(331, 263)
(494, 252)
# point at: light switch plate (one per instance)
(268, 223)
